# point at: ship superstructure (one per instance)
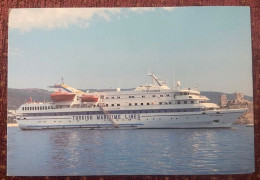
(149, 106)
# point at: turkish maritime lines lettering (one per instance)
(103, 117)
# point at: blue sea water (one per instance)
(130, 152)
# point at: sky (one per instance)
(98, 48)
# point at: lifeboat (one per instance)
(89, 98)
(62, 96)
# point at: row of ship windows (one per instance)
(124, 112)
(215, 121)
(129, 104)
(36, 108)
(118, 97)
(167, 95)
(160, 103)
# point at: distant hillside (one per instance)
(17, 97)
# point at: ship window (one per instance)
(160, 103)
(106, 105)
(167, 95)
(161, 95)
(118, 97)
(170, 102)
(135, 104)
(216, 121)
(45, 107)
(178, 102)
(102, 97)
(112, 97)
(185, 102)
(38, 108)
(153, 95)
(131, 97)
(49, 107)
(30, 108)
(130, 104)
(112, 104)
(143, 96)
(190, 96)
(180, 93)
(107, 97)
(192, 102)
(23, 108)
(178, 110)
(142, 103)
(118, 104)
(148, 103)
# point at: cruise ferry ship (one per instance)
(149, 106)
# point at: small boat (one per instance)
(62, 96)
(89, 98)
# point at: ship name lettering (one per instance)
(132, 116)
(82, 117)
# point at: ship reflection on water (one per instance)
(130, 152)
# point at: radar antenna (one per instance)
(149, 71)
(174, 86)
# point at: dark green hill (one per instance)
(16, 97)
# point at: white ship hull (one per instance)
(206, 119)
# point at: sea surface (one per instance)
(130, 152)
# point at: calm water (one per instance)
(139, 152)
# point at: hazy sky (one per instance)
(110, 48)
